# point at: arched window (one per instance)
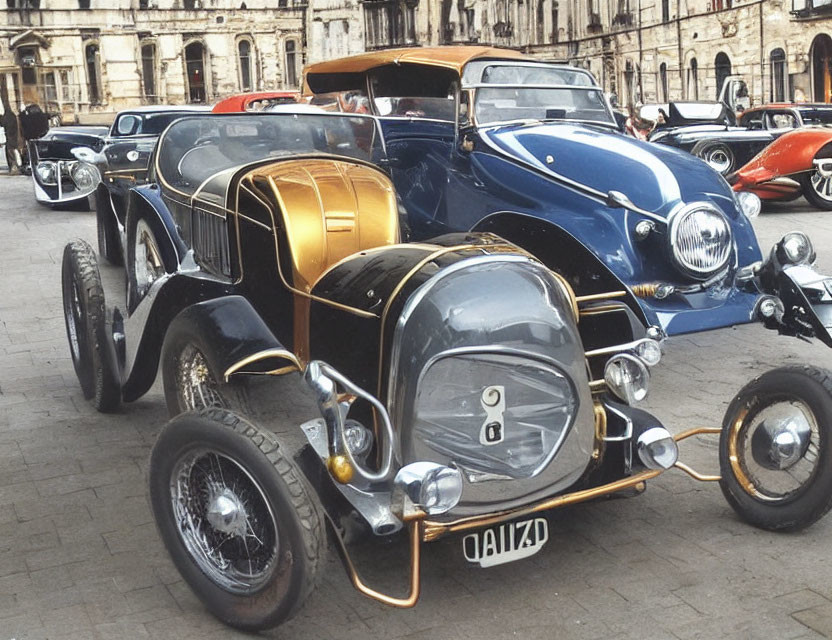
(291, 64)
(778, 75)
(244, 56)
(665, 10)
(722, 69)
(92, 58)
(821, 54)
(195, 66)
(663, 82)
(149, 72)
(693, 80)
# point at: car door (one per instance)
(416, 107)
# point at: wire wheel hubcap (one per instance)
(224, 520)
(786, 464)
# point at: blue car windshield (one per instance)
(193, 149)
(504, 104)
(508, 92)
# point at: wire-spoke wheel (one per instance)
(148, 265)
(817, 189)
(189, 381)
(224, 520)
(775, 448)
(237, 516)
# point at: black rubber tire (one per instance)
(813, 387)
(805, 180)
(98, 378)
(302, 538)
(234, 394)
(109, 244)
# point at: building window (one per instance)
(693, 80)
(665, 10)
(663, 82)
(291, 64)
(195, 66)
(28, 58)
(149, 71)
(92, 57)
(50, 88)
(389, 23)
(554, 21)
(83, 4)
(778, 75)
(722, 69)
(244, 56)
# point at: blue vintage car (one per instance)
(486, 139)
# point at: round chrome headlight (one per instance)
(47, 172)
(749, 203)
(796, 248)
(700, 239)
(85, 176)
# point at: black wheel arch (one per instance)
(230, 329)
(560, 251)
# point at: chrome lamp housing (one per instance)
(494, 385)
(700, 240)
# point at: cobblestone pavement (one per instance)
(80, 556)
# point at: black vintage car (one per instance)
(121, 160)
(59, 178)
(457, 386)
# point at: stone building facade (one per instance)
(90, 58)
(87, 59)
(641, 50)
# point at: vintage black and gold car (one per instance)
(458, 386)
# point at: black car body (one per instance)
(459, 385)
(59, 178)
(122, 162)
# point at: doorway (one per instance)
(195, 65)
(722, 69)
(821, 54)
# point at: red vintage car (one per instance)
(255, 101)
(798, 162)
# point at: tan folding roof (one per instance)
(448, 57)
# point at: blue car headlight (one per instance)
(700, 239)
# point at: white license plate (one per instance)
(506, 542)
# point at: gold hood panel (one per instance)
(330, 209)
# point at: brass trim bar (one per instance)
(434, 530)
(696, 431)
(282, 354)
(601, 296)
(415, 530)
(695, 474)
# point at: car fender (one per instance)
(235, 337)
(560, 251)
(789, 154)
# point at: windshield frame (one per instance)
(472, 83)
(157, 175)
(474, 89)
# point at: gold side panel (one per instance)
(330, 209)
(452, 57)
